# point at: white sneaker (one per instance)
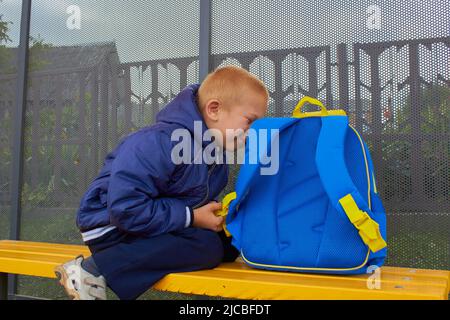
(80, 284)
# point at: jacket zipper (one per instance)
(210, 170)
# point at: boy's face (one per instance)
(234, 120)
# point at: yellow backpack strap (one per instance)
(297, 113)
(224, 211)
(369, 230)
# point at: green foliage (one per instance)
(37, 47)
(4, 30)
(43, 193)
(71, 168)
(35, 62)
(434, 113)
(41, 196)
(434, 129)
(4, 38)
(431, 250)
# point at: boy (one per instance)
(146, 216)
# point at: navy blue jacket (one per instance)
(140, 190)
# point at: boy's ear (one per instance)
(212, 109)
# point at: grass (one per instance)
(417, 249)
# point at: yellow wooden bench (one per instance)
(237, 280)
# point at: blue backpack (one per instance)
(321, 212)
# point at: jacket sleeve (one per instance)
(139, 175)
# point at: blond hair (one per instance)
(229, 85)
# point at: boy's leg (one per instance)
(230, 253)
(132, 266)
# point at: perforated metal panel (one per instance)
(9, 41)
(88, 88)
(387, 63)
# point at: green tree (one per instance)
(433, 138)
(37, 46)
(434, 113)
(4, 30)
(4, 39)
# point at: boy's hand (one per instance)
(204, 217)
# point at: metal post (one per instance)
(205, 39)
(343, 76)
(19, 117)
(3, 286)
(417, 168)
(358, 104)
(376, 122)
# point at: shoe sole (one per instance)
(63, 277)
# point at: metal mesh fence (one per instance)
(7, 89)
(9, 29)
(387, 63)
(100, 70)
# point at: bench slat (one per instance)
(386, 277)
(25, 267)
(226, 284)
(386, 270)
(37, 245)
(43, 261)
(65, 251)
(238, 280)
(428, 273)
(81, 249)
(37, 257)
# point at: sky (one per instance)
(142, 30)
(145, 30)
